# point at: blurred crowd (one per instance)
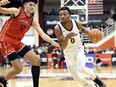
(55, 52)
(106, 50)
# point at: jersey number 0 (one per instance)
(72, 40)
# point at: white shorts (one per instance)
(75, 57)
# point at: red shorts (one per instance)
(7, 48)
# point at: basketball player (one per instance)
(67, 32)
(11, 35)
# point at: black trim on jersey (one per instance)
(24, 51)
(66, 28)
(21, 53)
(21, 9)
(32, 20)
(12, 16)
(31, 16)
(76, 24)
(13, 56)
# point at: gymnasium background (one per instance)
(47, 14)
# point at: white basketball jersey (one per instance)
(74, 42)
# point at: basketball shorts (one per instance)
(75, 57)
(7, 48)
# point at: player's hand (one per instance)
(55, 44)
(70, 35)
(4, 2)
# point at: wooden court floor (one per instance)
(58, 77)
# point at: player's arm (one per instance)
(81, 28)
(4, 10)
(43, 35)
(63, 41)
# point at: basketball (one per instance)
(95, 35)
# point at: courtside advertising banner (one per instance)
(89, 60)
(49, 24)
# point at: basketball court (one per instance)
(58, 77)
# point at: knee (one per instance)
(18, 69)
(36, 61)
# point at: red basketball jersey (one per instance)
(15, 28)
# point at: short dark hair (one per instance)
(65, 8)
(23, 1)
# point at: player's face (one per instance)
(29, 7)
(64, 16)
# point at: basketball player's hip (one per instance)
(71, 56)
(73, 49)
(8, 48)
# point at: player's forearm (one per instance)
(48, 39)
(85, 30)
(64, 43)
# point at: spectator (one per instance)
(112, 10)
(55, 58)
(108, 50)
(35, 49)
(90, 51)
(110, 21)
(6, 63)
(98, 50)
(115, 50)
(98, 62)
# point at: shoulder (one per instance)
(78, 22)
(14, 11)
(56, 26)
(57, 29)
